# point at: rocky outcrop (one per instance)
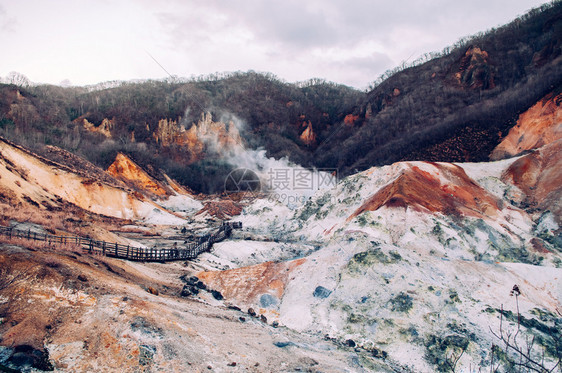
(308, 136)
(104, 128)
(538, 175)
(434, 188)
(539, 125)
(26, 178)
(262, 284)
(204, 135)
(474, 70)
(222, 210)
(80, 165)
(176, 187)
(221, 136)
(125, 169)
(350, 119)
(168, 132)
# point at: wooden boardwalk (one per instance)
(113, 249)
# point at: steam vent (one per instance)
(191, 220)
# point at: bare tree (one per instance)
(454, 358)
(17, 79)
(520, 349)
(10, 278)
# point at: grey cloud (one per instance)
(278, 23)
(285, 30)
(287, 23)
(7, 23)
(328, 23)
(317, 23)
(358, 71)
(370, 64)
(294, 25)
(184, 28)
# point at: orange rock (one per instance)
(308, 136)
(539, 125)
(45, 180)
(538, 175)
(350, 119)
(425, 191)
(125, 169)
(223, 210)
(245, 285)
(221, 136)
(104, 128)
(152, 290)
(475, 70)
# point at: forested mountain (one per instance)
(452, 106)
(458, 106)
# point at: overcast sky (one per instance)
(350, 41)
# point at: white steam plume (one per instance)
(281, 178)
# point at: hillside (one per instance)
(457, 105)
(414, 261)
(413, 227)
(406, 267)
(74, 313)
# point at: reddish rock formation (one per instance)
(447, 189)
(350, 119)
(30, 179)
(176, 187)
(308, 136)
(223, 210)
(539, 176)
(475, 71)
(125, 169)
(168, 132)
(206, 133)
(245, 285)
(80, 166)
(538, 126)
(104, 128)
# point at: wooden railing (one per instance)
(116, 250)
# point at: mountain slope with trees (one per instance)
(458, 106)
(450, 106)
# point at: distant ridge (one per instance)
(458, 105)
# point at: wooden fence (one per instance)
(113, 249)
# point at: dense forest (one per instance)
(455, 107)
(449, 106)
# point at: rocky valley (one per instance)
(244, 224)
(406, 267)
